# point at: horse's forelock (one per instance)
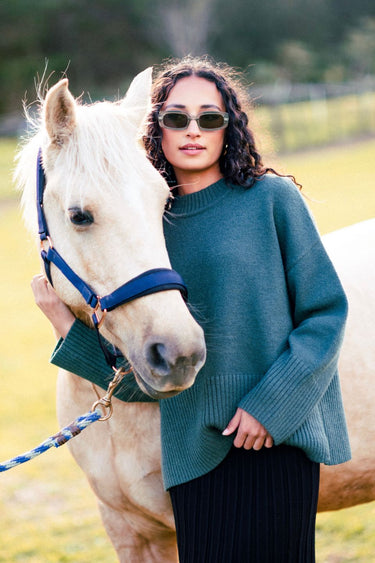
(104, 146)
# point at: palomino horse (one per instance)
(84, 146)
(352, 252)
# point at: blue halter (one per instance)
(151, 281)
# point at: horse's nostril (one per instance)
(171, 365)
(157, 358)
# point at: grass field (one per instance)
(48, 513)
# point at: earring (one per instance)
(225, 150)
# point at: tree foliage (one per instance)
(102, 43)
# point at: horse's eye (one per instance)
(80, 217)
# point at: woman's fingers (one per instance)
(269, 441)
(250, 432)
(52, 306)
(39, 287)
(233, 423)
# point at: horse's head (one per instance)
(104, 204)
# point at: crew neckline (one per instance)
(197, 201)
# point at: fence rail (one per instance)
(286, 92)
(319, 122)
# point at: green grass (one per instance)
(338, 180)
(346, 535)
(48, 513)
(7, 149)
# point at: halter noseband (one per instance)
(151, 281)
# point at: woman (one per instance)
(242, 465)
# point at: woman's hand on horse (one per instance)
(52, 306)
(250, 432)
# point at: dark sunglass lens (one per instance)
(175, 120)
(211, 120)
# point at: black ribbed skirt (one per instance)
(256, 506)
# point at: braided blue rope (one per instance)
(56, 440)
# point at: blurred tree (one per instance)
(20, 44)
(249, 31)
(185, 28)
(297, 61)
(103, 42)
(359, 47)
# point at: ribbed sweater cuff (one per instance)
(284, 384)
(81, 354)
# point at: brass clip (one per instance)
(106, 402)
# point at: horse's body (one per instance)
(352, 252)
(121, 457)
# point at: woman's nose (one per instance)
(193, 128)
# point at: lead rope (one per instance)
(101, 410)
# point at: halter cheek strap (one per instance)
(151, 281)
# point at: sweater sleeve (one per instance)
(80, 353)
(297, 380)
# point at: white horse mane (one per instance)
(104, 139)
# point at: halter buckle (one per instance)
(98, 321)
(48, 239)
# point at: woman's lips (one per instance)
(192, 148)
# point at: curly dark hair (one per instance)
(240, 162)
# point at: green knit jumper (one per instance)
(273, 311)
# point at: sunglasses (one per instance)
(207, 120)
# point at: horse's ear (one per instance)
(138, 97)
(59, 112)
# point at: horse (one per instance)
(351, 250)
(84, 146)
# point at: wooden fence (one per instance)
(318, 122)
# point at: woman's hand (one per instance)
(52, 306)
(250, 432)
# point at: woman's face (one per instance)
(193, 153)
